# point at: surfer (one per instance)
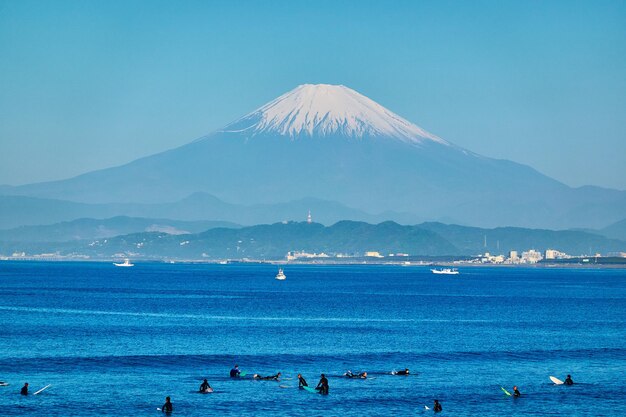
(205, 387)
(24, 390)
(405, 372)
(167, 407)
(322, 386)
(235, 372)
(302, 381)
(516, 392)
(568, 380)
(268, 378)
(362, 375)
(437, 407)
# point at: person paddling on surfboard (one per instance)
(437, 407)
(205, 387)
(235, 372)
(568, 380)
(302, 381)
(268, 378)
(516, 392)
(24, 390)
(322, 386)
(167, 407)
(405, 372)
(362, 375)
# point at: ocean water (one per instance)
(116, 341)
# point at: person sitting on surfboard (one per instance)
(516, 392)
(24, 390)
(437, 407)
(405, 372)
(568, 380)
(234, 373)
(267, 378)
(322, 386)
(302, 381)
(167, 407)
(205, 387)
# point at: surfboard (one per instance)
(505, 391)
(309, 389)
(208, 391)
(557, 381)
(426, 407)
(4, 384)
(41, 390)
(242, 374)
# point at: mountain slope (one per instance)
(17, 211)
(332, 143)
(82, 229)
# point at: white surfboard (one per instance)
(43, 389)
(557, 381)
(426, 407)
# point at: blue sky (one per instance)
(91, 84)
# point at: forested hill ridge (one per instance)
(273, 241)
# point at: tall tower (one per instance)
(309, 219)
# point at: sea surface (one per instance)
(116, 341)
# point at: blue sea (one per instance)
(116, 341)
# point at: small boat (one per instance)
(281, 275)
(445, 271)
(125, 263)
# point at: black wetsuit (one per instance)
(404, 372)
(302, 382)
(234, 373)
(24, 390)
(167, 407)
(204, 387)
(568, 381)
(516, 393)
(322, 386)
(267, 378)
(437, 408)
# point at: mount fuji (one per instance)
(331, 143)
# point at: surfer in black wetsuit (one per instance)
(516, 392)
(205, 386)
(322, 386)
(437, 407)
(361, 375)
(268, 378)
(167, 407)
(568, 380)
(234, 373)
(24, 390)
(405, 372)
(302, 382)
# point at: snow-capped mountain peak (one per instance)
(325, 110)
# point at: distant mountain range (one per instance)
(346, 237)
(18, 211)
(321, 143)
(90, 229)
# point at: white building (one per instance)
(531, 257)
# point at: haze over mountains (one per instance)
(327, 146)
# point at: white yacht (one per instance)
(281, 275)
(125, 263)
(445, 271)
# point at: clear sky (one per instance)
(91, 84)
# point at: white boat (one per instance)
(125, 263)
(281, 275)
(445, 271)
